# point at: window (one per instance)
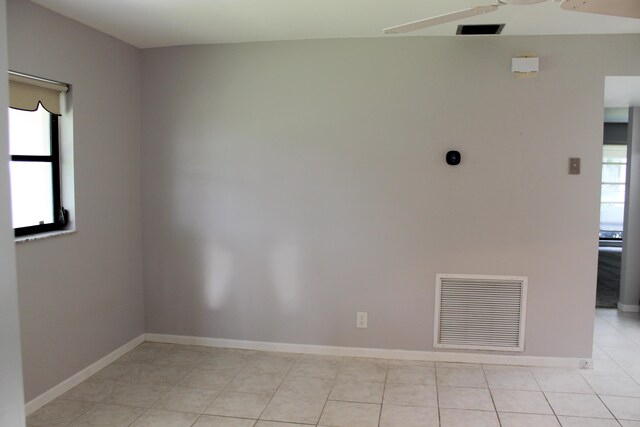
(34, 148)
(614, 174)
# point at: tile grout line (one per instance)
(435, 371)
(334, 380)
(173, 347)
(495, 408)
(384, 388)
(544, 394)
(278, 388)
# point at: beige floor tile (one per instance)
(125, 388)
(408, 416)
(90, 391)
(463, 418)
(294, 410)
(561, 380)
(60, 412)
(108, 415)
(223, 361)
(211, 379)
(465, 398)
(184, 399)
(511, 378)
(613, 339)
(460, 377)
(369, 370)
(587, 422)
(278, 424)
(241, 405)
(347, 414)
(161, 418)
(141, 395)
(627, 358)
(527, 420)
(216, 421)
(316, 367)
(411, 395)
(457, 365)
(119, 371)
(411, 363)
(578, 405)
(623, 408)
(162, 375)
(305, 387)
(147, 352)
(256, 383)
(528, 402)
(271, 363)
(602, 367)
(614, 384)
(407, 374)
(181, 357)
(357, 391)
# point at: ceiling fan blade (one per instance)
(623, 8)
(441, 19)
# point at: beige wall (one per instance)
(288, 185)
(11, 390)
(81, 295)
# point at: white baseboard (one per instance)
(79, 377)
(433, 356)
(628, 308)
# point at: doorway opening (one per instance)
(619, 238)
(612, 202)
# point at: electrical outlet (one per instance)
(586, 364)
(361, 319)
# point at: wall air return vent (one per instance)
(480, 312)
(480, 30)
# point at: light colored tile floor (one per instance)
(163, 385)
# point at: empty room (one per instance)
(360, 213)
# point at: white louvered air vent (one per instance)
(480, 312)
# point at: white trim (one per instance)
(42, 236)
(66, 385)
(628, 308)
(377, 353)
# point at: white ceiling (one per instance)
(622, 91)
(155, 23)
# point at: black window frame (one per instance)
(54, 159)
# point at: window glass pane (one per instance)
(31, 193)
(612, 193)
(611, 216)
(29, 132)
(614, 173)
(614, 154)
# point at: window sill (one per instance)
(42, 236)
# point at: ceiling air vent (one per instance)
(479, 30)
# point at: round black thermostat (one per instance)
(453, 158)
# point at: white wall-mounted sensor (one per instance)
(527, 65)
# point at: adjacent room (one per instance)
(277, 213)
